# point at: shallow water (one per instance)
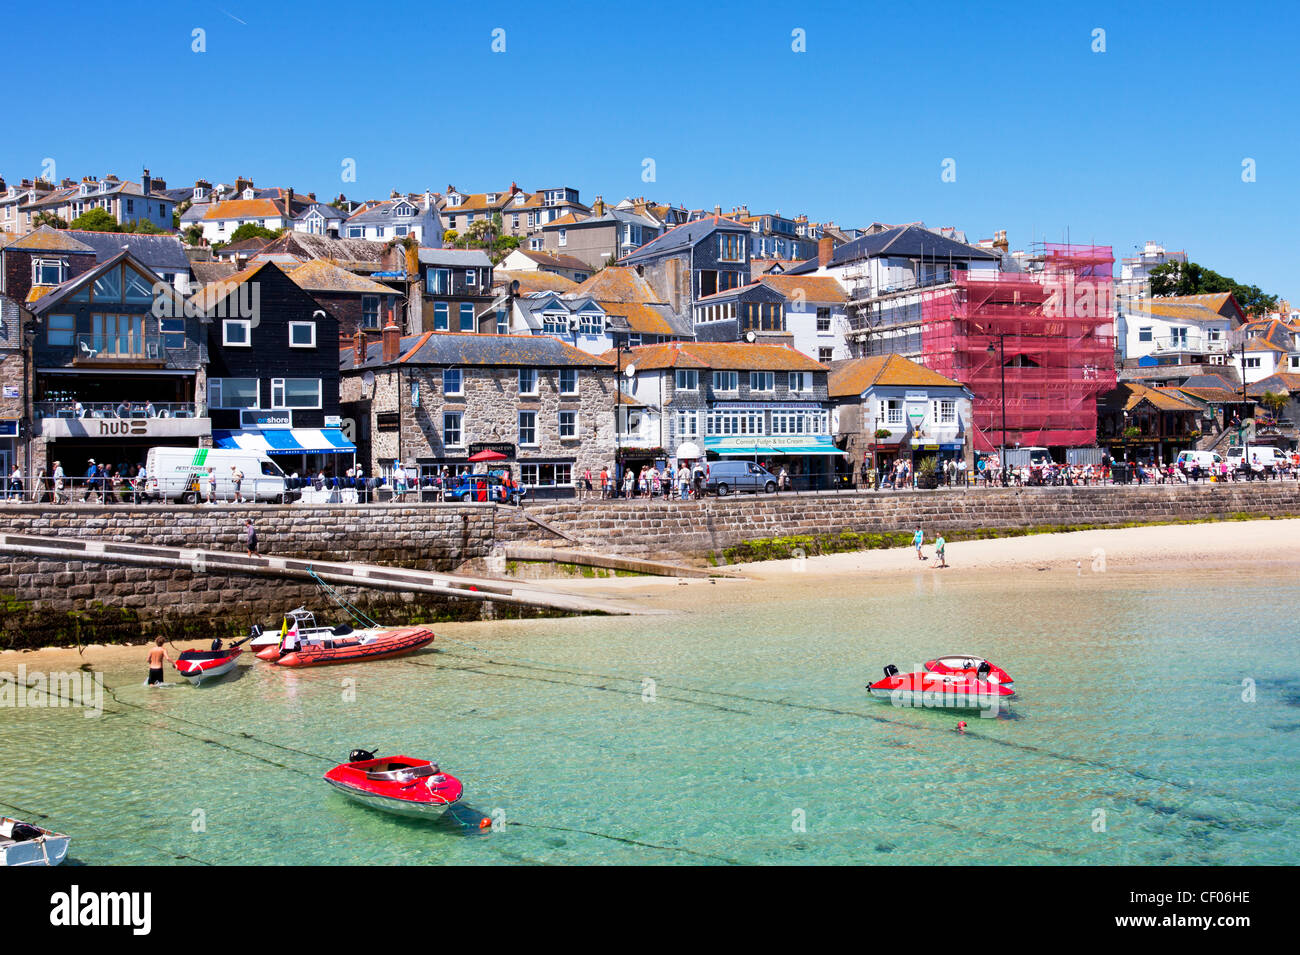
(1129, 740)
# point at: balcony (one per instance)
(122, 419)
(97, 348)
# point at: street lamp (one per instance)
(1002, 368)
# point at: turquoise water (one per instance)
(1129, 741)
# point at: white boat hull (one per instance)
(200, 675)
(48, 849)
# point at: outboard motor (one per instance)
(255, 631)
(22, 832)
(216, 644)
(360, 755)
(983, 671)
(891, 670)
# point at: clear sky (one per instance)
(1143, 141)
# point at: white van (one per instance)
(1263, 458)
(174, 471)
(1207, 461)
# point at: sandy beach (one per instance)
(1262, 546)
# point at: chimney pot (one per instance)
(392, 342)
(825, 248)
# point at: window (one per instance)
(467, 317)
(295, 393)
(892, 411)
(825, 355)
(1216, 334)
(731, 247)
(370, 311)
(503, 322)
(736, 422)
(173, 330)
(451, 427)
(451, 382)
(546, 475)
(555, 323)
(59, 329)
(528, 381)
(49, 271)
(439, 281)
(354, 232)
(440, 316)
(1251, 362)
(401, 230)
(726, 381)
(823, 319)
(302, 334)
(232, 393)
(138, 290)
(564, 237)
(591, 323)
(568, 425)
(801, 381)
(762, 381)
(568, 381)
(687, 379)
(1178, 337)
(528, 427)
(688, 424)
(947, 411)
(471, 277)
(237, 332)
(1144, 334)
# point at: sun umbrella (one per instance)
(488, 455)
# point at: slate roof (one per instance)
(618, 283)
(464, 348)
(324, 208)
(908, 241)
(52, 295)
(304, 245)
(162, 253)
(556, 261)
(381, 213)
(681, 237)
(458, 258)
(815, 288)
(533, 281)
(851, 377)
(318, 275)
(46, 239)
(1281, 383)
(1187, 308)
(1129, 394)
(206, 272)
(721, 355)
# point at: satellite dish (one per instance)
(630, 371)
(751, 337)
(368, 381)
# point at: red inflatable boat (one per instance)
(357, 645)
(199, 665)
(945, 691)
(972, 666)
(412, 787)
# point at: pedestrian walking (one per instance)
(59, 478)
(237, 481)
(939, 544)
(210, 485)
(250, 533)
(917, 540)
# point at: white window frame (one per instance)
(277, 384)
(216, 394)
(536, 382)
(460, 381)
(686, 374)
(574, 434)
(560, 384)
(532, 416)
(767, 378)
(471, 277)
(293, 326)
(245, 324)
(720, 379)
(797, 382)
(460, 429)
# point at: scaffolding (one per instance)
(1054, 331)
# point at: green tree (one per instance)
(193, 235)
(96, 220)
(251, 230)
(1189, 278)
(49, 219)
(143, 227)
(1274, 402)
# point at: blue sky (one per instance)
(1143, 141)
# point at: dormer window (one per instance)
(86, 188)
(404, 210)
(492, 197)
(200, 193)
(103, 186)
(455, 199)
(250, 193)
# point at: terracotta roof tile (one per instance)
(855, 375)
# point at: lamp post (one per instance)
(1002, 368)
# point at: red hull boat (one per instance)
(359, 645)
(199, 665)
(926, 690)
(976, 668)
(412, 787)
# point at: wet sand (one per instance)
(1261, 547)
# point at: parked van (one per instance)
(728, 476)
(1207, 461)
(1263, 459)
(180, 474)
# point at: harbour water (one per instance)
(1157, 721)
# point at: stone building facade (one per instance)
(434, 400)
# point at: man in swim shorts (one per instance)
(157, 656)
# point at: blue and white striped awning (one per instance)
(286, 441)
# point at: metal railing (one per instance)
(115, 409)
(101, 346)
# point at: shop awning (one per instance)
(770, 446)
(286, 441)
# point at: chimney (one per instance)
(392, 342)
(717, 210)
(358, 348)
(241, 184)
(744, 211)
(514, 187)
(146, 184)
(825, 248)
(598, 207)
(1000, 240)
(3, 187)
(288, 202)
(311, 196)
(638, 205)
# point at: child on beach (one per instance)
(917, 540)
(939, 543)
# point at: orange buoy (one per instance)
(961, 725)
(484, 822)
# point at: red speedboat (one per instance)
(413, 787)
(357, 645)
(199, 665)
(926, 690)
(970, 665)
